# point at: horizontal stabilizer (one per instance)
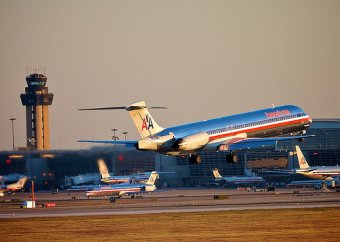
(140, 115)
(127, 143)
(127, 108)
(105, 108)
(279, 171)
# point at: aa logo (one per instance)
(147, 123)
(303, 161)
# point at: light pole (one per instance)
(125, 133)
(114, 137)
(12, 119)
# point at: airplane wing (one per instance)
(279, 171)
(127, 143)
(253, 143)
(327, 173)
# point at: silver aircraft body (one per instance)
(10, 188)
(108, 179)
(315, 172)
(312, 172)
(237, 179)
(122, 189)
(229, 134)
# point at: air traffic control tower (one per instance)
(37, 99)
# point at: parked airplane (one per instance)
(107, 178)
(13, 187)
(124, 188)
(12, 177)
(315, 172)
(237, 179)
(317, 184)
(228, 134)
(82, 179)
(81, 188)
(312, 172)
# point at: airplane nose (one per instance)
(310, 119)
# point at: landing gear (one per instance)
(195, 159)
(231, 158)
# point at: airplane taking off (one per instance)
(315, 172)
(13, 187)
(107, 178)
(228, 134)
(124, 188)
(237, 179)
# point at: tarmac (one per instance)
(165, 201)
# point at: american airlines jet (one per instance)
(227, 134)
(124, 188)
(13, 187)
(108, 179)
(237, 179)
(315, 172)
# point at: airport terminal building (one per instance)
(63, 168)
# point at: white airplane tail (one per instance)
(143, 120)
(216, 173)
(152, 179)
(104, 172)
(302, 160)
(19, 184)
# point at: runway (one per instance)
(170, 200)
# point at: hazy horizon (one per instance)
(201, 59)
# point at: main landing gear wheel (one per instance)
(231, 158)
(195, 159)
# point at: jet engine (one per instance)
(147, 144)
(192, 142)
(153, 142)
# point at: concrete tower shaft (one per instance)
(37, 99)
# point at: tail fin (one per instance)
(302, 161)
(143, 120)
(152, 178)
(217, 175)
(104, 172)
(19, 184)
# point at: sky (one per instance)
(201, 59)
